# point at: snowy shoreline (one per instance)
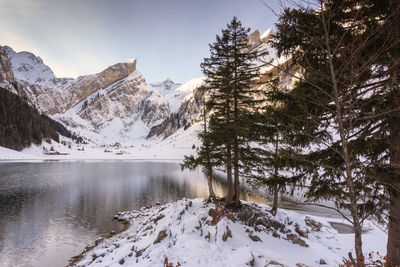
(195, 233)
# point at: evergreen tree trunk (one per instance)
(236, 175)
(211, 194)
(393, 244)
(275, 201)
(229, 196)
(345, 153)
(276, 189)
(236, 122)
(236, 192)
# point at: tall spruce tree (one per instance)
(271, 166)
(340, 128)
(230, 73)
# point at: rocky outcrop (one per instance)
(128, 97)
(165, 86)
(86, 85)
(188, 112)
(6, 73)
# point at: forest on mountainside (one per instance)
(20, 124)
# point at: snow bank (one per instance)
(10, 154)
(194, 233)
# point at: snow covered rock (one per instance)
(165, 86)
(190, 102)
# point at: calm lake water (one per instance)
(50, 211)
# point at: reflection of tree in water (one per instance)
(220, 184)
(83, 197)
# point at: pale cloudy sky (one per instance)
(168, 37)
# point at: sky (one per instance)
(169, 38)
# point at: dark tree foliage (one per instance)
(273, 165)
(342, 104)
(20, 124)
(230, 73)
(62, 130)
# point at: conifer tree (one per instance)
(341, 134)
(271, 166)
(230, 74)
(204, 157)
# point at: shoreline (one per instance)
(75, 259)
(210, 234)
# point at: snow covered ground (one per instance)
(175, 147)
(192, 233)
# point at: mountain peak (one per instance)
(165, 86)
(28, 67)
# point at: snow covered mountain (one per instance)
(165, 86)
(117, 104)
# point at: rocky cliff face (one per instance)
(6, 73)
(86, 85)
(187, 113)
(131, 95)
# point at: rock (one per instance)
(300, 232)
(255, 238)
(121, 261)
(322, 262)
(254, 38)
(161, 235)
(275, 234)
(188, 111)
(227, 234)
(297, 240)
(315, 226)
(253, 217)
(159, 217)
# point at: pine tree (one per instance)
(340, 103)
(203, 157)
(230, 75)
(272, 165)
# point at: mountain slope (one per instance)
(124, 110)
(20, 124)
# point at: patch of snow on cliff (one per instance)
(176, 97)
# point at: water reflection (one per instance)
(51, 211)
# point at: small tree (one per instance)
(203, 157)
